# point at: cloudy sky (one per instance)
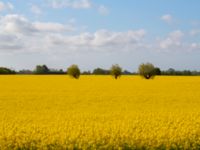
(99, 33)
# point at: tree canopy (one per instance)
(41, 69)
(116, 71)
(147, 70)
(4, 70)
(74, 71)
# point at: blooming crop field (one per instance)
(99, 112)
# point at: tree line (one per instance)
(148, 70)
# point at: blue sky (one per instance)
(94, 33)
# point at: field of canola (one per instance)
(99, 112)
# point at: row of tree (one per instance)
(148, 67)
(4, 70)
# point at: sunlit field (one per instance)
(99, 112)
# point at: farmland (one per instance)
(99, 112)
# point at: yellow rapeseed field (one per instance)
(99, 112)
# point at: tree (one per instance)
(157, 71)
(86, 73)
(25, 71)
(100, 71)
(174, 72)
(116, 71)
(4, 70)
(74, 71)
(41, 69)
(171, 71)
(56, 72)
(126, 72)
(147, 70)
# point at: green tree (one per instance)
(157, 71)
(116, 71)
(4, 70)
(86, 73)
(41, 69)
(74, 71)
(100, 71)
(147, 70)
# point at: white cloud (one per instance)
(104, 37)
(26, 36)
(195, 45)
(177, 41)
(6, 6)
(18, 34)
(195, 32)
(103, 10)
(52, 27)
(101, 40)
(16, 24)
(167, 18)
(36, 10)
(173, 40)
(77, 4)
(10, 43)
(21, 35)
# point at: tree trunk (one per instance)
(148, 76)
